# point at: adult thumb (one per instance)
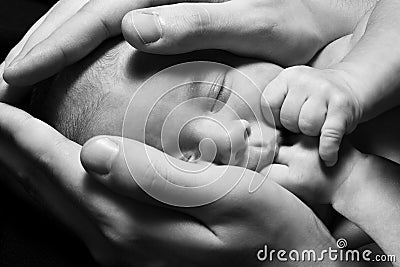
(184, 27)
(133, 169)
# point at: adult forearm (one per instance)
(338, 18)
(370, 198)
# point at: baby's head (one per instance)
(199, 105)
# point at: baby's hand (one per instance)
(314, 102)
(299, 169)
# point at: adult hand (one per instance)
(69, 31)
(304, 174)
(243, 222)
(119, 230)
(286, 32)
(48, 23)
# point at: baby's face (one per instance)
(197, 110)
(200, 110)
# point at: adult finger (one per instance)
(331, 135)
(185, 27)
(41, 143)
(96, 21)
(31, 150)
(46, 25)
(130, 167)
(206, 195)
(107, 222)
(57, 15)
(17, 49)
(8, 93)
(45, 150)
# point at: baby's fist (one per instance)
(314, 102)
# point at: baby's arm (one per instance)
(373, 64)
(331, 102)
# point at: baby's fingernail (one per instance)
(147, 26)
(99, 155)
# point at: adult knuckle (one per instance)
(121, 233)
(113, 235)
(24, 125)
(57, 146)
(196, 20)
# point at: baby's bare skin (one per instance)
(378, 136)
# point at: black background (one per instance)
(29, 236)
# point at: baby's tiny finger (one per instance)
(290, 110)
(331, 136)
(312, 117)
(272, 99)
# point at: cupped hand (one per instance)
(125, 226)
(243, 222)
(117, 231)
(250, 28)
(69, 31)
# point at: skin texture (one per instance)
(359, 87)
(135, 69)
(117, 240)
(177, 108)
(21, 128)
(280, 40)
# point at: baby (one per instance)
(173, 111)
(110, 93)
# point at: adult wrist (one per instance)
(329, 13)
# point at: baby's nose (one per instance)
(219, 142)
